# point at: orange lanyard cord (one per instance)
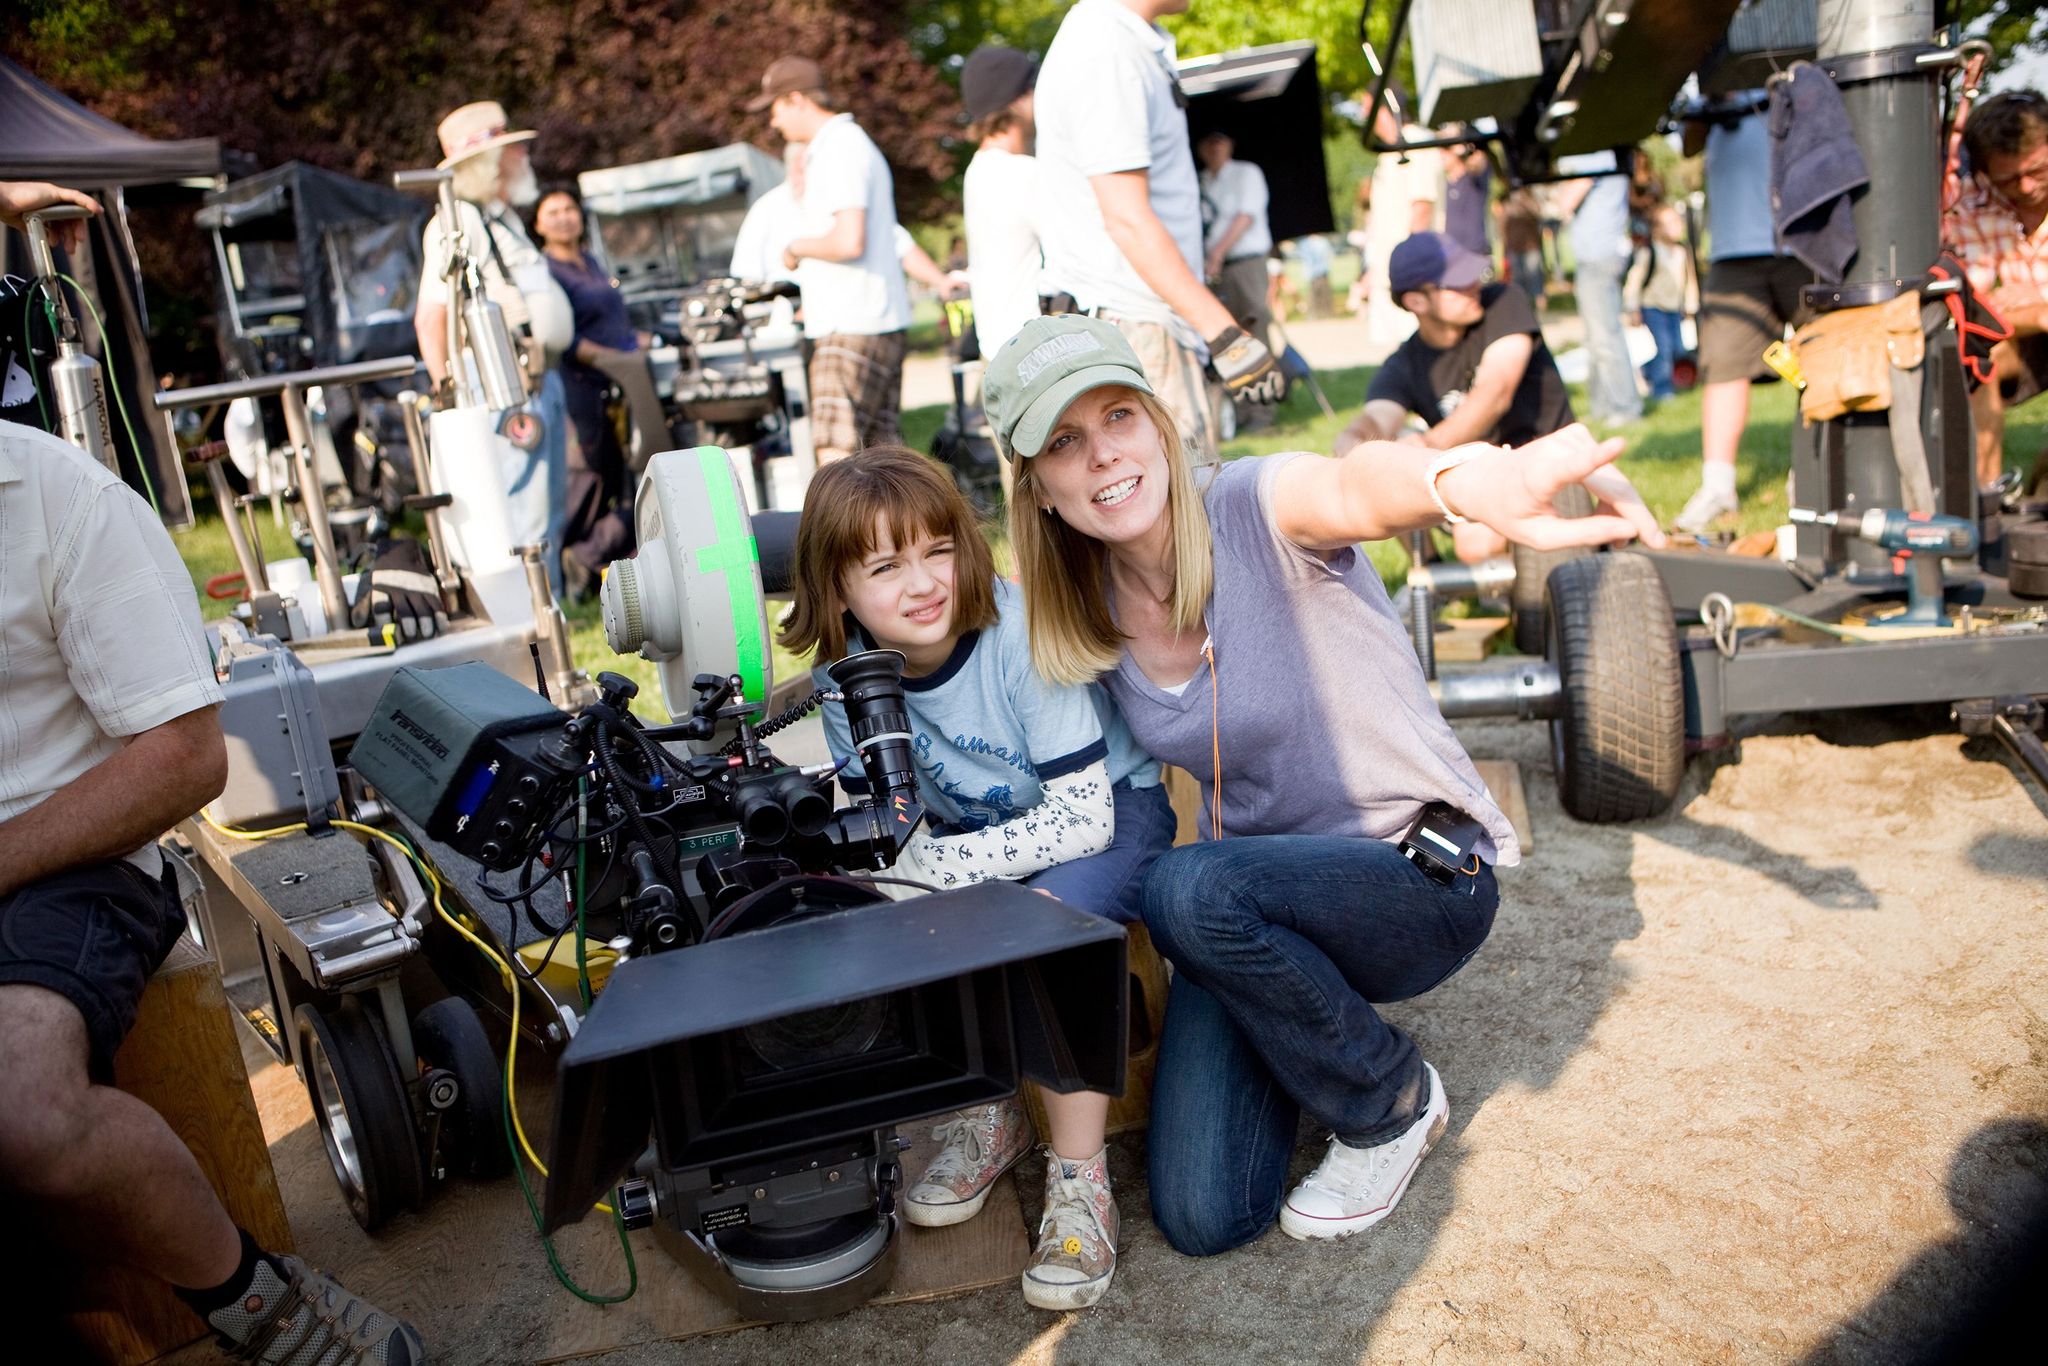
(1215, 748)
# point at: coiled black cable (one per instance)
(788, 716)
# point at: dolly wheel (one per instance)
(449, 1036)
(1532, 572)
(1619, 746)
(365, 1120)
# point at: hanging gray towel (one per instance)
(1816, 171)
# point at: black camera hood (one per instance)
(988, 985)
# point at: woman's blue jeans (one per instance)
(1280, 943)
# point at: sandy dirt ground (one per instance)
(1760, 1080)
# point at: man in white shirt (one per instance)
(493, 176)
(1405, 196)
(771, 223)
(856, 308)
(108, 737)
(1236, 239)
(1003, 199)
(1123, 236)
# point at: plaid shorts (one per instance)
(856, 390)
(1180, 379)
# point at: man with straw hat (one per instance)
(493, 176)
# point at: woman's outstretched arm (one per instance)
(1382, 489)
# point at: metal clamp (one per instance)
(1717, 611)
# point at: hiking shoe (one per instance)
(1076, 1252)
(978, 1145)
(1703, 509)
(1355, 1188)
(311, 1320)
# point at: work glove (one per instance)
(398, 591)
(1245, 368)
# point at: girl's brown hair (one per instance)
(1065, 576)
(883, 486)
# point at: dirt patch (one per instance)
(1763, 1078)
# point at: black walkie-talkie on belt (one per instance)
(1443, 843)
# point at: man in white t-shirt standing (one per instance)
(493, 177)
(1236, 239)
(1123, 235)
(856, 308)
(1003, 201)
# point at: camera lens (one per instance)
(872, 685)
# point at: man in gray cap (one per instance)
(856, 308)
(1124, 236)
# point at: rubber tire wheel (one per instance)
(1532, 572)
(1619, 745)
(448, 1035)
(350, 1045)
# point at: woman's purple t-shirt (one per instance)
(1325, 721)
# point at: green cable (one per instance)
(120, 404)
(519, 1167)
(554, 1261)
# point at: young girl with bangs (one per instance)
(1021, 779)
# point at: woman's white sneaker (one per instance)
(976, 1146)
(1355, 1188)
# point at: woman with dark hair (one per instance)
(599, 515)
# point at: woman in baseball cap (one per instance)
(1244, 638)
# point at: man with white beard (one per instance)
(493, 175)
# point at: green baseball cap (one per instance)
(1049, 363)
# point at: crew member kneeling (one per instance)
(1476, 368)
(1244, 637)
(107, 738)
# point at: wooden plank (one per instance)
(1465, 640)
(1503, 779)
(671, 1304)
(184, 1061)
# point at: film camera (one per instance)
(774, 1014)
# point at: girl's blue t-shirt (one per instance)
(989, 732)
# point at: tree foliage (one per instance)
(358, 85)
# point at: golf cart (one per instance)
(1906, 586)
(729, 360)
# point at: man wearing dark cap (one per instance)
(1001, 192)
(856, 308)
(1475, 370)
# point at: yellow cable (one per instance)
(504, 969)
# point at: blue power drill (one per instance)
(1922, 539)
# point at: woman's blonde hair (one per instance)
(882, 486)
(1065, 577)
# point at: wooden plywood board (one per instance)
(671, 1304)
(1465, 640)
(1503, 779)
